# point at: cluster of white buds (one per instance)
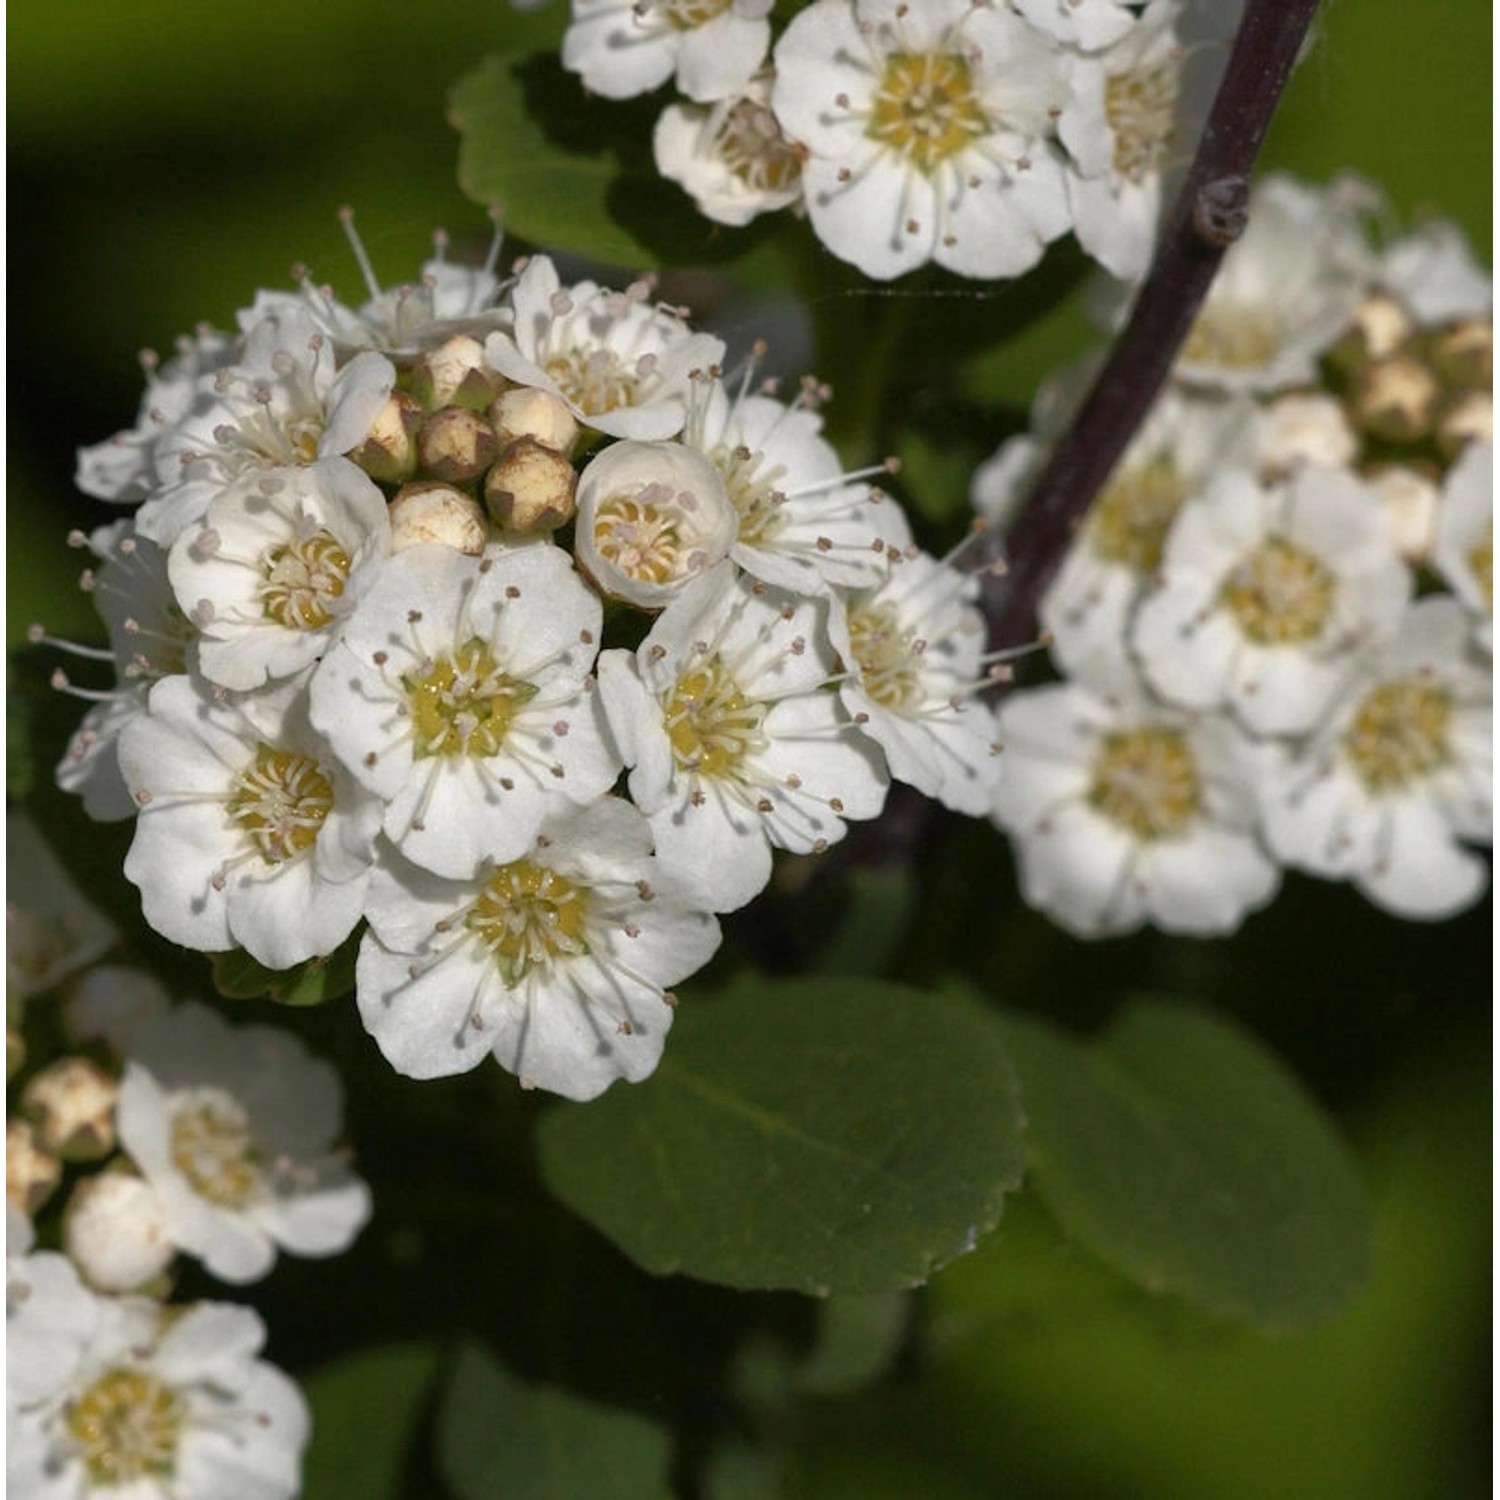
(971, 133)
(1275, 622)
(161, 1130)
(377, 625)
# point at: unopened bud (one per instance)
(531, 488)
(1397, 399)
(455, 374)
(456, 445)
(31, 1171)
(1409, 498)
(1464, 353)
(426, 513)
(72, 1103)
(526, 412)
(388, 453)
(1304, 429)
(115, 1232)
(1468, 417)
(1382, 326)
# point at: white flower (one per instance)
(1124, 812)
(1397, 774)
(1434, 274)
(1086, 24)
(1304, 427)
(1266, 593)
(1463, 551)
(250, 833)
(460, 695)
(736, 744)
(277, 566)
(621, 48)
(123, 1397)
(149, 638)
(1286, 288)
(621, 366)
(110, 1003)
(927, 131)
(803, 523)
(1118, 124)
(731, 157)
(1088, 607)
(235, 1128)
(123, 468)
(51, 928)
(651, 518)
(914, 648)
(282, 402)
(556, 962)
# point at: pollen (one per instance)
(1134, 512)
(526, 916)
(1400, 733)
(925, 107)
(281, 800)
(127, 1425)
(713, 727)
(887, 657)
(213, 1148)
(1146, 781)
(303, 581)
(463, 703)
(1280, 595)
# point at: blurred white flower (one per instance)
(1463, 551)
(51, 928)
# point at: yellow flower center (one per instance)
(1400, 733)
(1146, 781)
(685, 14)
(710, 722)
(752, 493)
(926, 108)
(463, 704)
(527, 915)
(128, 1425)
(596, 381)
(1233, 336)
(213, 1148)
(302, 581)
(1279, 594)
(1131, 517)
(1141, 108)
(280, 799)
(643, 537)
(752, 146)
(1481, 565)
(886, 655)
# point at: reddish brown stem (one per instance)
(1208, 216)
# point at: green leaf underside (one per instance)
(833, 1136)
(365, 1410)
(499, 1436)
(1181, 1152)
(237, 976)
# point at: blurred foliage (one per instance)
(165, 161)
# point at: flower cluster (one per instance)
(159, 1130)
(1275, 623)
(377, 624)
(966, 132)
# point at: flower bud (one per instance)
(1378, 327)
(651, 518)
(1468, 417)
(1397, 399)
(456, 445)
(526, 412)
(31, 1171)
(428, 512)
(114, 1231)
(72, 1103)
(530, 489)
(1305, 429)
(388, 453)
(1410, 499)
(455, 374)
(1464, 353)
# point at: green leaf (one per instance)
(365, 1410)
(819, 1136)
(499, 1436)
(237, 976)
(879, 912)
(1182, 1153)
(935, 476)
